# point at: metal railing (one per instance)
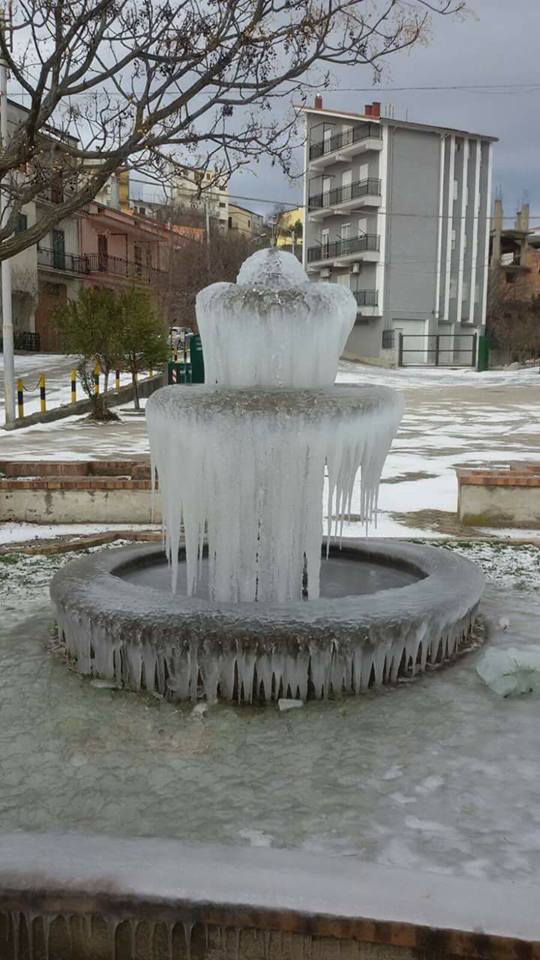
(368, 131)
(24, 340)
(119, 267)
(351, 191)
(342, 248)
(437, 349)
(366, 298)
(59, 260)
(96, 263)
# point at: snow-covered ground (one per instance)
(57, 369)
(452, 418)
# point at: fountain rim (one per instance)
(450, 587)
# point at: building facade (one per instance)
(399, 212)
(289, 230)
(244, 222)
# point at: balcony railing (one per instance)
(96, 263)
(366, 298)
(59, 260)
(343, 248)
(368, 131)
(351, 191)
(118, 267)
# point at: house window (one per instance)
(21, 223)
(453, 239)
(222, 204)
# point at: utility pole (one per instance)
(207, 221)
(7, 318)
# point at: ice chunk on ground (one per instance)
(511, 671)
(285, 704)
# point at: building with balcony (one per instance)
(398, 212)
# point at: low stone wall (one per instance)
(92, 491)
(502, 497)
(97, 898)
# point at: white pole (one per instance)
(7, 319)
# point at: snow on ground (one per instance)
(57, 369)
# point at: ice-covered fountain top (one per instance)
(273, 326)
(241, 461)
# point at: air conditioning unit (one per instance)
(356, 268)
(325, 273)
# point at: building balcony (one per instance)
(343, 146)
(119, 267)
(61, 261)
(92, 263)
(367, 302)
(361, 193)
(343, 252)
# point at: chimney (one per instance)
(368, 110)
(318, 102)
(376, 108)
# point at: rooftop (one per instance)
(394, 122)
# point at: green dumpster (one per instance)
(483, 353)
(179, 372)
(197, 359)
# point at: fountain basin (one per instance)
(186, 647)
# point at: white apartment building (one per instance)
(399, 212)
(203, 190)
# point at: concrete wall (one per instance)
(494, 497)
(507, 506)
(51, 505)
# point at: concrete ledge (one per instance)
(124, 395)
(229, 902)
(500, 496)
(92, 491)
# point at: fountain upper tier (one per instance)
(274, 327)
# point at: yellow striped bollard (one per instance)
(116, 379)
(42, 394)
(20, 398)
(73, 381)
(97, 371)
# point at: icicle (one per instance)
(188, 929)
(15, 920)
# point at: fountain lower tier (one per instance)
(245, 469)
(185, 648)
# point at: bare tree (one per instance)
(163, 84)
(512, 320)
(197, 264)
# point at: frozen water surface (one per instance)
(440, 774)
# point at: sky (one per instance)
(497, 44)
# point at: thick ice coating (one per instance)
(245, 468)
(274, 327)
(241, 461)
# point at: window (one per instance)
(325, 239)
(453, 239)
(21, 223)
(345, 231)
(249, 222)
(363, 172)
(223, 204)
(453, 289)
(362, 226)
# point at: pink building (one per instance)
(119, 247)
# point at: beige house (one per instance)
(289, 230)
(245, 222)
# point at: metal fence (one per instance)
(340, 140)
(437, 349)
(24, 340)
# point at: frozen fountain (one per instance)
(247, 602)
